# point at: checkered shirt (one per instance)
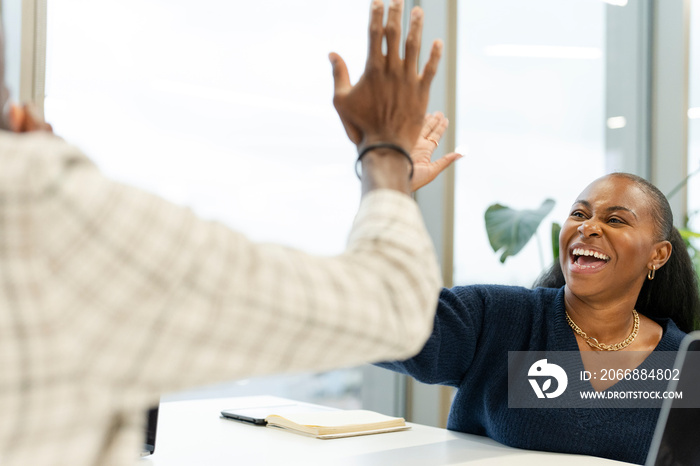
(110, 297)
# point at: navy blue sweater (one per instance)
(475, 327)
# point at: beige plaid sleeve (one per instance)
(110, 297)
(157, 299)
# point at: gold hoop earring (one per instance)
(652, 273)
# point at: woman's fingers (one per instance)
(427, 172)
(440, 124)
(434, 126)
(445, 161)
(428, 125)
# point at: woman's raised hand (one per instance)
(424, 169)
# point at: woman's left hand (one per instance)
(425, 170)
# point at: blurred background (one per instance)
(226, 107)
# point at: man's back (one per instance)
(110, 296)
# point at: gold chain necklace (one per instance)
(602, 346)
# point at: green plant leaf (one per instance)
(682, 184)
(687, 234)
(556, 229)
(510, 229)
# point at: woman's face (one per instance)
(608, 240)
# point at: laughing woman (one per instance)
(624, 282)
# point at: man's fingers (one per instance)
(341, 78)
(342, 87)
(415, 33)
(393, 32)
(389, 93)
(376, 34)
(432, 64)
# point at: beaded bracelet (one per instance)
(383, 145)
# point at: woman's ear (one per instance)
(662, 252)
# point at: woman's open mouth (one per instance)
(588, 260)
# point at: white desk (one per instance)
(191, 433)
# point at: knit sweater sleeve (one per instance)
(449, 352)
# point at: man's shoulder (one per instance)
(33, 145)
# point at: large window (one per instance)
(12, 22)
(225, 107)
(530, 119)
(694, 125)
(694, 118)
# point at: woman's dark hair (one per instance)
(673, 292)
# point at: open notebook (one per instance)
(336, 424)
(319, 422)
